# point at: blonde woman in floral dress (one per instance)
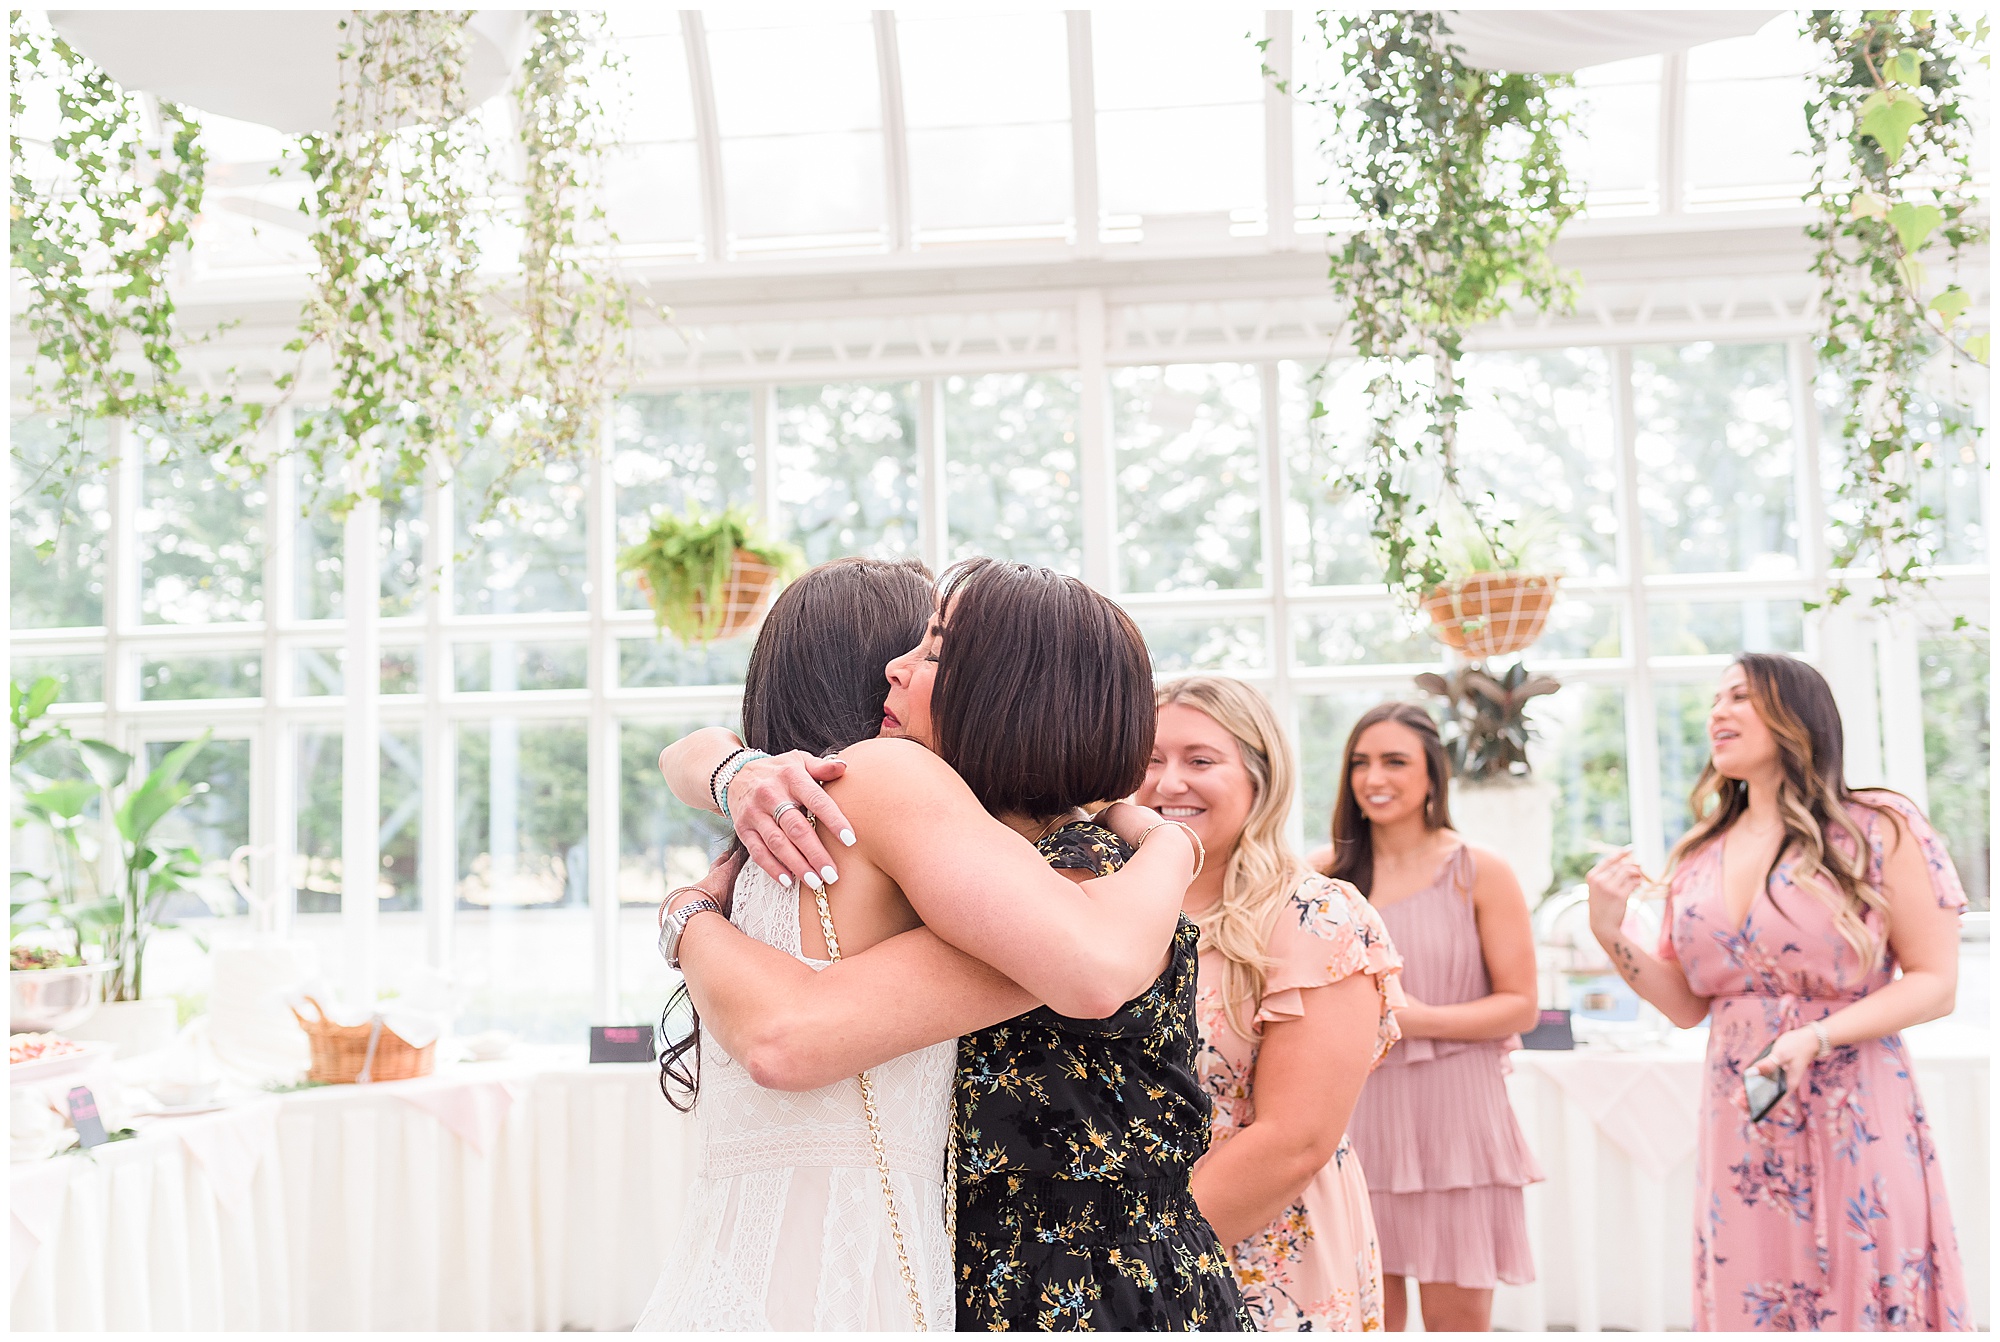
(1296, 981)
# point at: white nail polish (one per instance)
(785, 881)
(830, 873)
(847, 837)
(814, 882)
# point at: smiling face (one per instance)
(1739, 742)
(906, 711)
(1197, 776)
(1388, 774)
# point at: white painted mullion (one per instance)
(1280, 185)
(764, 457)
(895, 131)
(1095, 448)
(121, 616)
(1811, 512)
(708, 136)
(1642, 742)
(438, 844)
(271, 796)
(601, 746)
(1673, 139)
(1276, 570)
(361, 745)
(933, 524)
(1083, 135)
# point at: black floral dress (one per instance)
(1075, 1142)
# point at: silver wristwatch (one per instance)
(676, 922)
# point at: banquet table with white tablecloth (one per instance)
(542, 1194)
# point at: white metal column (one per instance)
(1278, 642)
(361, 742)
(764, 455)
(1083, 135)
(438, 840)
(895, 137)
(601, 747)
(1642, 740)
(708, 137)
(272, 789)
(1096, 454)
(933, 522)
(1673, 137)
(1280, 186)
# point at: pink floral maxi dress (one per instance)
(1317, 1267)
(1830, 1213)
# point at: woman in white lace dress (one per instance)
(806, 1214)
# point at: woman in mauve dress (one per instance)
(1296, 982)
(1792, 902)
(1445, 1158)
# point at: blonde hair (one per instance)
(1795, 702)
(1262, 869)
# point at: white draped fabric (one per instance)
(544, 1195)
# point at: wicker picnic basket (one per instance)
(349, 1054)
(751, 585)
(1488, 614)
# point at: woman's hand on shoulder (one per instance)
(787, 845)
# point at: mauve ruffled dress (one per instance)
(1445, 1158)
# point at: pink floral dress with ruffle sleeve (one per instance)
(1830, 1213)
(1317, 1267)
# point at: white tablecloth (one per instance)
(544, 1195)
(498, 1196)
(1613, 1223)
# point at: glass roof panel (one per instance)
(1613, 145)
(1760, 81)
(1314, 66)
(1180, 123)
(986, 100)
(799, 106)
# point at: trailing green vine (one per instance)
(399, 192)
(1458, 179)
(1892, 178)
(575, 317)
(94, 224)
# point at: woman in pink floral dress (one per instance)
(1791, 904)
(1296, 981)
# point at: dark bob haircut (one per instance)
(815, 680)
(1044, 693)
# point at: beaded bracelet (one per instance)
(716, 773)
(735, 766)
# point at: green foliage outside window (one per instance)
(1958, 752)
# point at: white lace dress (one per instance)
(786, 1228)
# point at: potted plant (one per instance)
(709, 577)
(107, 927)
(1496, 802)
(1495, 598)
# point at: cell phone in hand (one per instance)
(1763, 1092)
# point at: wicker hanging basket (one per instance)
(745, 596)
(1488, 614)
(349, 1054)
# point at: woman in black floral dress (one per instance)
(1075, 1138)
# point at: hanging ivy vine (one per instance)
(1892, 179)
(575, 313)
(97, 217)
(1460, 188)
(399, 196)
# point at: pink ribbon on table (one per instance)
(35, 1198)
(229, 1146)
(473, 1110)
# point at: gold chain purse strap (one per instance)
(875, 1140)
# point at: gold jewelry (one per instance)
(1825, 1044)
(875, 1140)
(1200, 853)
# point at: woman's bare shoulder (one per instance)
(891, 767)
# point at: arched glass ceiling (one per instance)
(825, 132)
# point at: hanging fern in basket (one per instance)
(1892, 185)
(686, 565)
(1459, 183)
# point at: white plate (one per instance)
(47, 1068)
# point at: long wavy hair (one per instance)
(1262, 869)
(815, 683)
(1353, 837)
(1814, 803)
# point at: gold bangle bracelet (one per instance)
(1200, 852)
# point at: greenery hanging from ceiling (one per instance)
(1892, 184)
(98, 215)
(398, 199)
(1459, 184)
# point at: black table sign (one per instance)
(83, 1113)
(621, 1043)
(1551, 1032)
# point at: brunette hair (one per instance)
(1814, 803)
(1262, 870)
(814, 683)
(1353, 840)
(1044, 693)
